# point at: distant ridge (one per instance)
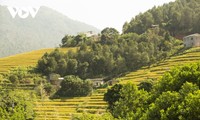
(44, 31)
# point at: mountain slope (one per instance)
(26, 59)
(179, 18)
(156, 71)
(44, 31)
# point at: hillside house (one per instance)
(97, 82)
(89, 33)
(192, 40)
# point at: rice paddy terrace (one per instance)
(25, 59)
(157, 70)
(66, 108)
(54, 109)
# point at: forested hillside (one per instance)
(112, 53)
(180, 18)
(44, 31)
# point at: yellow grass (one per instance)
(66, 107)
(156, 71)
(25, 59)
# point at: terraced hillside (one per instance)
(66, 108)
(54, 109)
(25, 59)
(157, 70)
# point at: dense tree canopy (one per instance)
(113, 95)
(16, 105)
(73, 86)
(175, 96)
(109, 35)
(113, 54)
(179, 18)
(77, 40)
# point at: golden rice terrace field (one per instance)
(157, 70)
(59, 109)
(66, 108)
(55, 109)
(25, 59)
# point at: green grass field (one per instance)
(25, 59)
(157, 70)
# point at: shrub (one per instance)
(73, 86)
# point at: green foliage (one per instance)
(86, 116)
(13, 79)
(109, 35)
(175, 96)
(164, 107)
(189, 108)
(175, 78)
(22, 75)
(49, 89)
(78, 40)
(68, 41)
(73, 86)
(112, 55)
(16, 105)
(49, 62)
(112, 96)
(132, 103)
(146, 85)
(179, 18)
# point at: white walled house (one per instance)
(88, 33)
(97, 82)
(192, 40)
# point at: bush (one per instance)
(14, 79)
(49, 89)
(73, 86)
(17, 105)
(146, 85)
(113, 96)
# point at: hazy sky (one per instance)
(99, 13)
